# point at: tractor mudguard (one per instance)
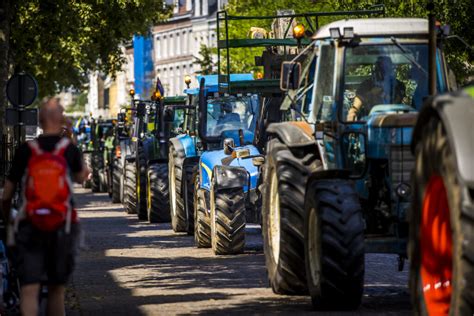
(130, 158)
(184, 143)
(293, 134)
(229, 177)
(190, 161)
(456, 111)
(328, 174)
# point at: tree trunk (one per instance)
(5, 18)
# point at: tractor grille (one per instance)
(402, 163)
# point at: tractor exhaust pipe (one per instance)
(431, 48)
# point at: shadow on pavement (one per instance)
(126, 264)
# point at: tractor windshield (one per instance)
(232, 114)
(384, 77)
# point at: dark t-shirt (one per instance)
(47, 143)
(372, 94)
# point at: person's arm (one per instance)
(8, 193)
(81, 176)
(354, 110)
(79, 170)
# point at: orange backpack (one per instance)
(47, 187)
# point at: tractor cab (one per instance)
(361, 88)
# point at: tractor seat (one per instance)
(394, 120)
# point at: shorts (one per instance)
(45, 257)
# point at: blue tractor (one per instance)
(337, 180)
(226, 189)
(184, 152)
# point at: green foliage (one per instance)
(457, 14)
(59, 41)
(242, 60)
(206, 61)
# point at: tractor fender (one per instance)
(190, 161)
(293, 134)
(130, 158)
(456, 111)
(184, 143)
(327, 174)
(229, 177)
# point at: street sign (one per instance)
(21, 116)
(22, 89)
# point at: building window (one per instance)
(165, 47)
(106, 98)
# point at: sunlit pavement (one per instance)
(128, 267)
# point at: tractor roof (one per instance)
(212, 83)
(377, 27)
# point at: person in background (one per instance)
(382, 88)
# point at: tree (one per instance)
(206, 61)
(60, 41)
(457, 15)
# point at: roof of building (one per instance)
(377, 27)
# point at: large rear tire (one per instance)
(334, 245)
(158, 201)
(228, 221)
(202, 219)
(284, 176)
(130, 193)
(141, 188)
(441, 230)
(178, 211)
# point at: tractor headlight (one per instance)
(403, 190)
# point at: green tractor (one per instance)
(101, 130)
(146, 169)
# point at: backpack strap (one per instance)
(61, 146)
(35, 147)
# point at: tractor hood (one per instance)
(386, 129)
(213, 158)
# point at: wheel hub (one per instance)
(436, 248)
(274, 217)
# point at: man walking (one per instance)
(47, 224)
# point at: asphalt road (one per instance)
(128, 267)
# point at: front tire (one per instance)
(115, 184)
(130, 194)
(178, 211)
(334, 245)
(441, 232)
(284, 176)
(228, 221)
(158, 207)
(202, 220)
(141, 182)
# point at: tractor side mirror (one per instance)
(228, 146)
(354, 150)
(121, 117)
(141, 109)
(290, 75)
